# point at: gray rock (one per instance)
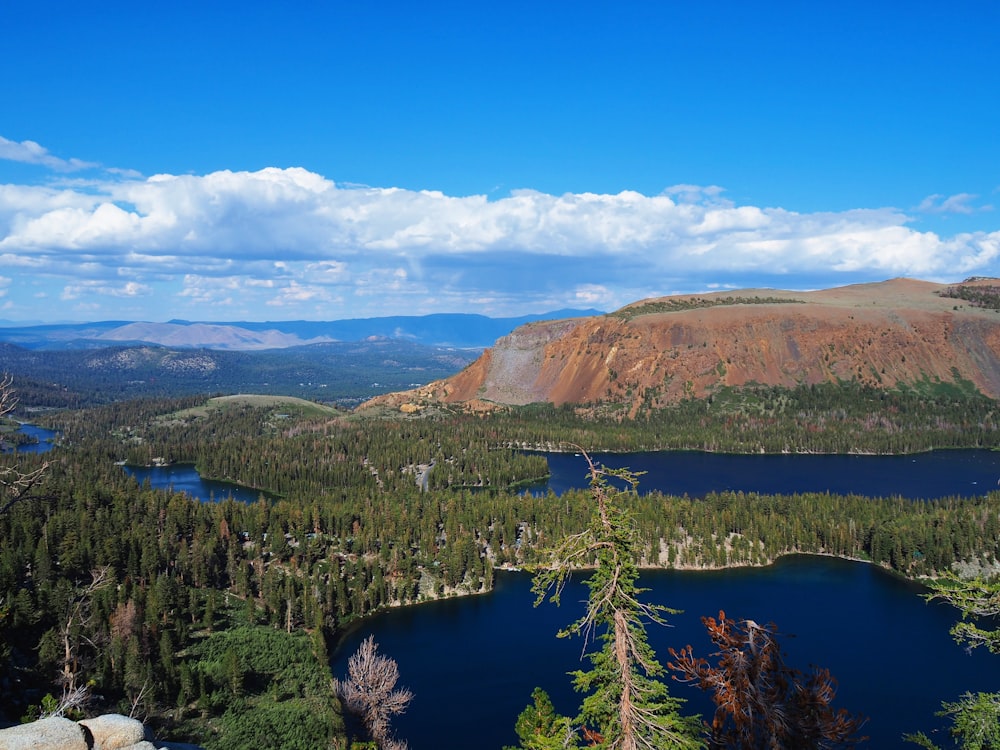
(54, 733)
(107, 732)
(114, 731)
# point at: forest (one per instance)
(345, 372)
(190, 615)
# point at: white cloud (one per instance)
(211, 290)
(285, 215)
(595, 295)
(952, 204)
(294, 239)
(326, 272)
(30, 152)
(694, 193)
(83, 288)
(294, 294)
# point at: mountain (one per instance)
(452, 330)
(896, 333)
(342, 372)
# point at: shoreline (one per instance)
(340, 634)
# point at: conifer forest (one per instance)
(213, 621)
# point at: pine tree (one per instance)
(626, 705)
(539, 727)
(975, 717)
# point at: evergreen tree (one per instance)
(975, 717)
(626, 705)
(539, 727)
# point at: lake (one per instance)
(185, 478)
(472, 662)
(176, 477)
(44, 437)
(958, 473)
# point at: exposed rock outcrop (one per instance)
(658, 351)
(107, 732)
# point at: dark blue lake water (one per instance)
(959, 473)
(185, 478)
(44, 437)
(473, 662)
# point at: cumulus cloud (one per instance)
(593, 295)
(296, 215)
(293, 239)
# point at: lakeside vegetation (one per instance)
(353, 532)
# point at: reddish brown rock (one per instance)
(657, 351)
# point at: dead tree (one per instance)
(760, 702)
(15, 485)
(73, 631)
(370, 692)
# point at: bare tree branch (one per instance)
(370, 692)
(15, 485)
(76, 699)
(78, 616)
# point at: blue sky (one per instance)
(245, 161)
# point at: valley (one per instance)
(198, 591)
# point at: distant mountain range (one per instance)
(339, 372)
(345, 361)
(460, 330)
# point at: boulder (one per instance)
(107, 732)
(114, 731)
(54, 733)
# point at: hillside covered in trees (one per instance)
(171, 605)
(213, 621)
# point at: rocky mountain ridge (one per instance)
(652, 353)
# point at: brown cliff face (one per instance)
(658, 351)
